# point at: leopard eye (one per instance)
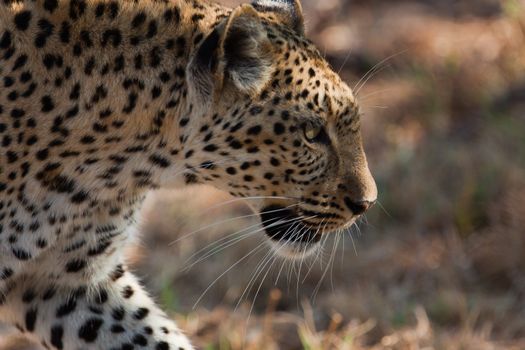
(312, 131)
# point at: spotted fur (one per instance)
(103, 100)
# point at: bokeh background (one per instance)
(440, 262)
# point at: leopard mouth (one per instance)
(283, 225)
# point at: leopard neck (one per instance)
(113, 76)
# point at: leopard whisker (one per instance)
(251, 252)
(318, 252)
(231, 242)
(233, 200)
(365, 77)
(294, 225)
(223, 222)
(325, 270)
(270, 261)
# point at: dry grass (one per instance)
(440, 266)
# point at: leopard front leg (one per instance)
(115, 314)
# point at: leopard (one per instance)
(104, 101)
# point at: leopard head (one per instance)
(279, 126)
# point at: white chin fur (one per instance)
(294, 251)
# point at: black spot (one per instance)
(190, 179)
(79, 197)
(89, 330)
(11, 157)
(155, 92)
(76, 9)
(278, 128)
(235, 144)
(72, 112)
(62, 184)
(111, 35)
(28, 296)
(210, 148)
(116, 328)
(6, 40)
(96, 310)
(101, 248)
(87, 139)
(138, 20)
(162, 345)
(25, 77)
(127, 292)
(46, 29)
(20, 62)
(118, 314)
(118, 63)
(41, 243)
(17, 113)
(141, 313)
(75, 92)
(42, 154)
(85, 36)
(132, 102)
(197, 17)
(68, 72)
(159, 161)
(139, 339)
(65, 32)
(117, 273)
(75, 265)
(99, 10)
(256, 110)
(89, 66)
(135, 40)
(66, 308)
(22, 20)
(183, 122)
(152, 29)
(255, 130)
(164, 77)
(10, 52)
(155, 57)
(138, 61)
(48, 61)
(21, 254)
(113, 9)
(57, 332)
(12, 96)
(49, 293)
(6, 273)
(30, 319)
(47, 104)
(101, 297)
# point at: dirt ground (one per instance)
(440, 262)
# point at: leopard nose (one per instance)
(358, 207)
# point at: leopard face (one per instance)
(279, 126)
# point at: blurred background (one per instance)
(440, 263)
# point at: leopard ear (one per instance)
(290, 11)
(235, 56)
